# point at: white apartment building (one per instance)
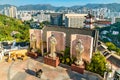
(42, 17)
(24, 16)
(10, 11)
(75, 20)
(6, 11)
(13, 12)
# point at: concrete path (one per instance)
(25, 70)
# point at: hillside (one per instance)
(37, 7)
(111, 36)
(5, 5)
(11, 29)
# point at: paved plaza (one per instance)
(25, 70)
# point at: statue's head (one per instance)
(33, 36)
(79, 41)
(52, 35)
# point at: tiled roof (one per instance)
(103, 22)
(114, 60)
(118, 71)
(100, 48)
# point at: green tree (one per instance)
(46, 23)
(8, 25)
(111, 46)
(98, 64)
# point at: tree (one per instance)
(46, 22)
(98, 64)
(111, 46)
(7, 25)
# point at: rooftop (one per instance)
(75, 15)
(114, 60)
(118, 71)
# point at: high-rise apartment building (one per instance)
(56, 19)
(24, 16)
(6, 11)
(42, 17)
(75, 20)
(13, 12)
(10, 11)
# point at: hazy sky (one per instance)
(56, 2)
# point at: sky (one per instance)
(56, 2)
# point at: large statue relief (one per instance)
(36, 40)
(53, 43)
(79, 51)
(81, 47)
(59, 38)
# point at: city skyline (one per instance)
(57, 2)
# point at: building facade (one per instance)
(13, 12)
(56, 19)
(10, 11)
(42, 17)
(74, 20)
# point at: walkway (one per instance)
(25, 70)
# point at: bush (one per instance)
(98, 64)
(112, 47)
(7, 25)
(67, 52)
(67, 60)
(39, 52)
(65, 57)
(63, 61)
(45, 54)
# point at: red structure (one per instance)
(89, 21)
(79, 69)
(52, 62)
(33, 55)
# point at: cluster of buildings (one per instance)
(37, 16)
(68, 18)
(10, 11)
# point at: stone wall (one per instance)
(87, 43)
(60, 38)
(69, 31)
(38, 35)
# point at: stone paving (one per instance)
(25, 70)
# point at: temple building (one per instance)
(89, 21)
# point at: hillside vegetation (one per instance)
(111, 36)
(11, 29)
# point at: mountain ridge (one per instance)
(111, 6)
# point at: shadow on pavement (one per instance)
(73, 75)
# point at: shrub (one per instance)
(63, 61)
(67, 60)
(98, 64)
